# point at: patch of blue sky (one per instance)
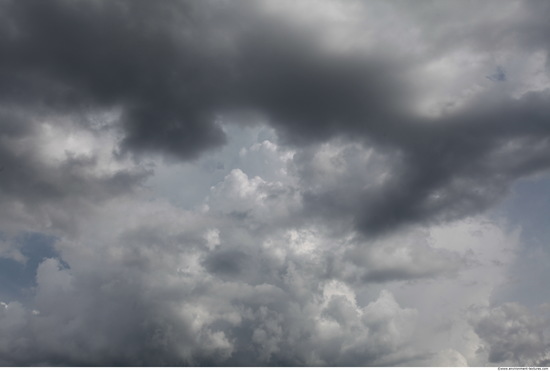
(498, 75)
(18, 278)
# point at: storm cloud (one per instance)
(255, 183)
(175, 70)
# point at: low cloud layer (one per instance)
(175, 71)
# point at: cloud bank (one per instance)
(268, 183)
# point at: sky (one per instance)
(274, 183)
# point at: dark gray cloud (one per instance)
(175, 69)
(66, 56)
(465, 164)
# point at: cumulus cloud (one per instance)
(207, 287)
(270, 183)
(511, 333)
(53, 169)
(189, 300)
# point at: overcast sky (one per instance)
(274, 183)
